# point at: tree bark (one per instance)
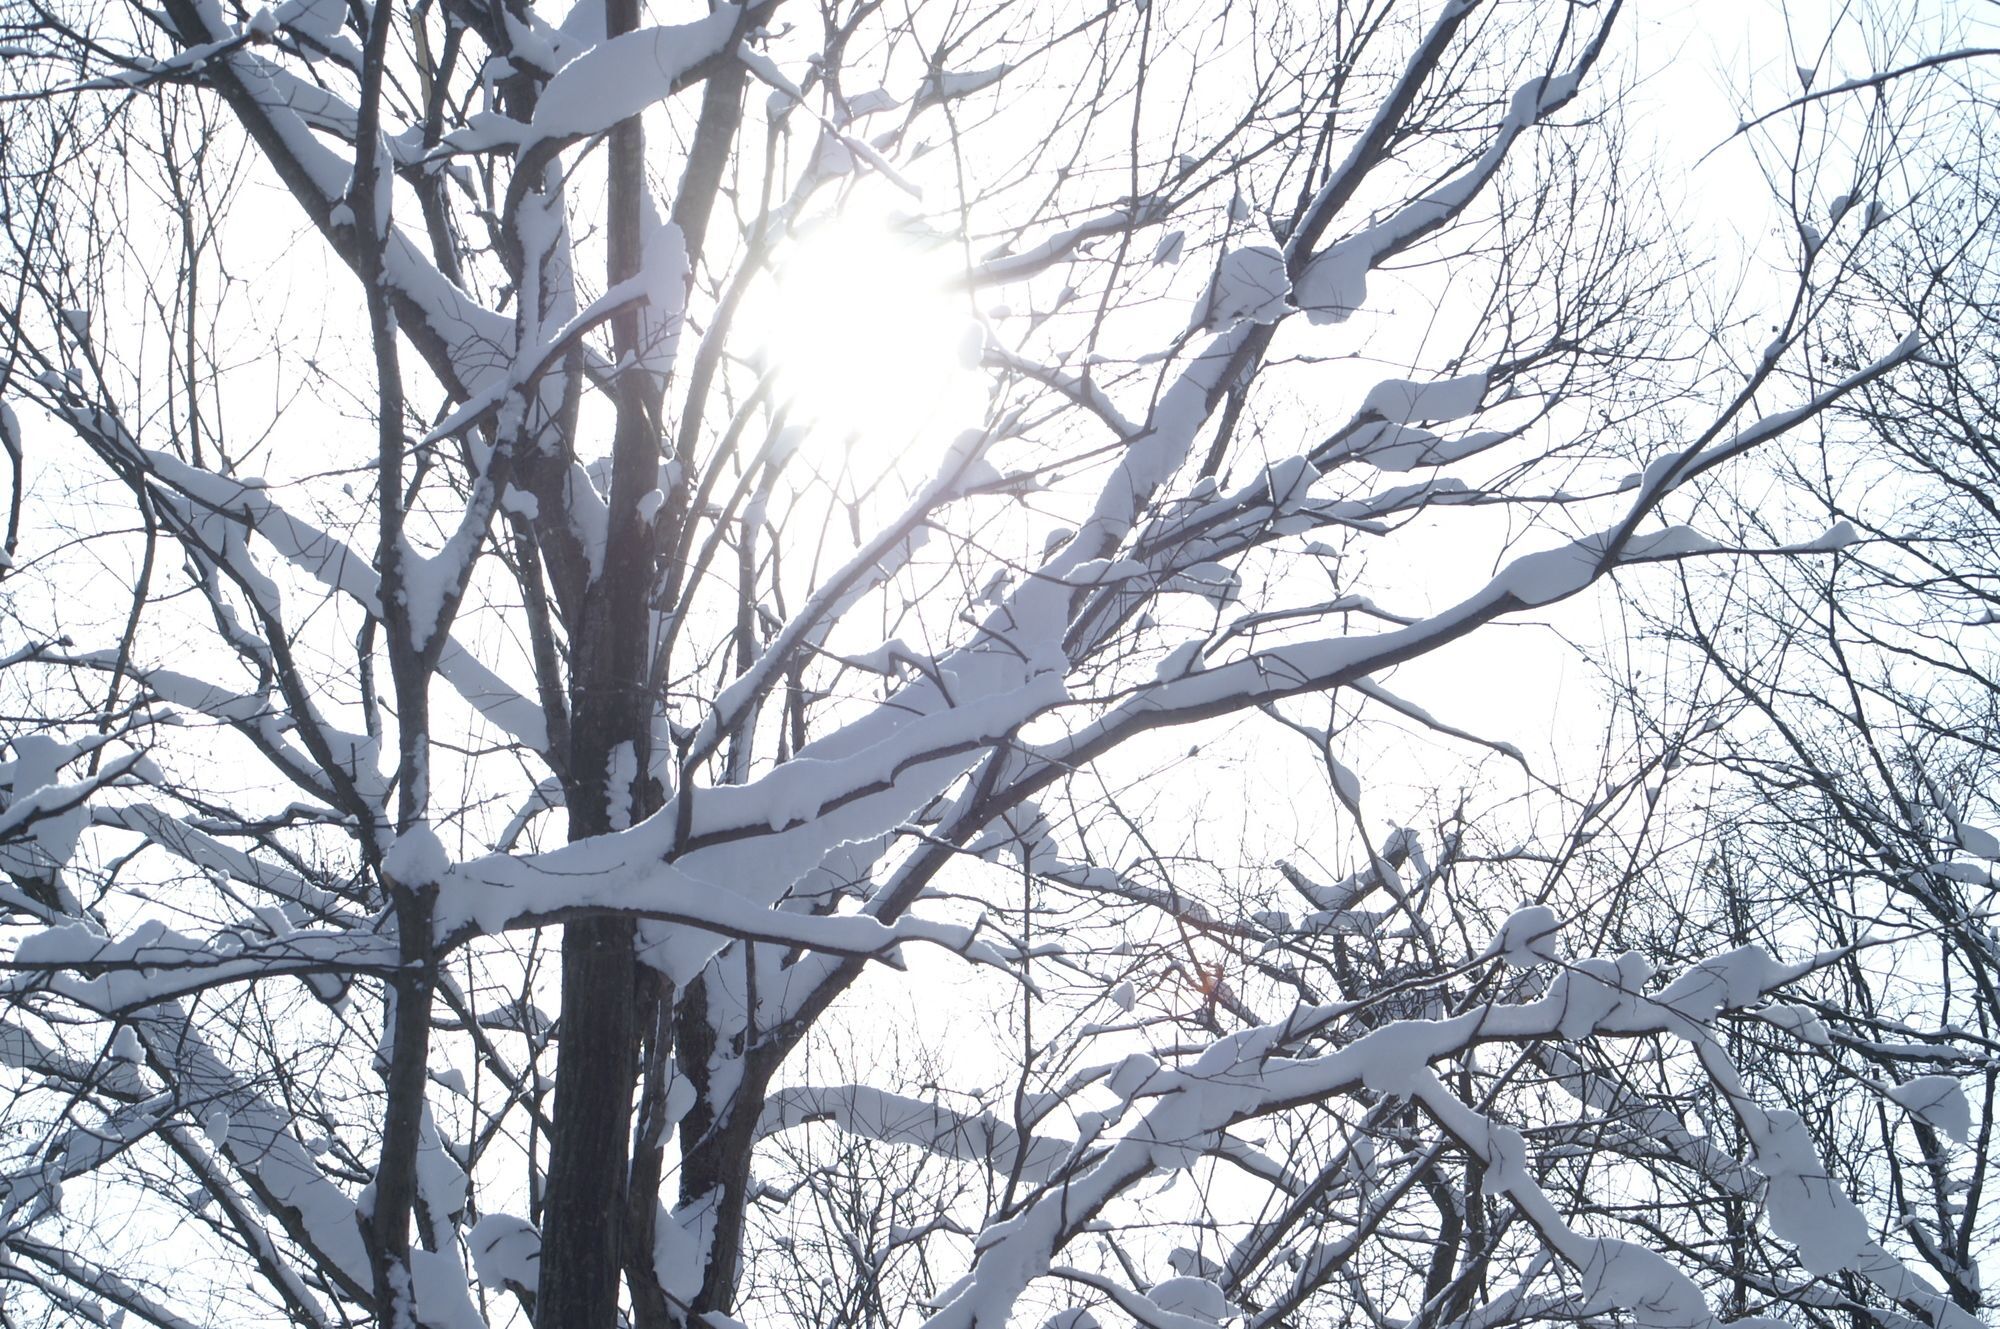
(583, 1225)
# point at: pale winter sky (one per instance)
(907, 585)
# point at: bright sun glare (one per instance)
(870, 337)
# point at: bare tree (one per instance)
(1859, 772)
(484, 726)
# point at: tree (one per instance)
(490, 736)
(1861, 768)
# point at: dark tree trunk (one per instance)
(583, 1225)
(715, 1149)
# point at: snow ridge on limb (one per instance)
(1223, 1086)
(332, 563)
(870, 818)
(489, 896)
(461, 341)
(1330, 284)
(154, 963)
(612, 81)
(893, 1118)
(215, 512)
(1053, 249)
(257, 1143)
(771, 76)
(1030, 614)
(107, 1285)
(653, 286)
(1528, 581)
(260, 718)
(749, 843)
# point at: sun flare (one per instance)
(868, 332)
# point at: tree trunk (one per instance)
(583, 1225)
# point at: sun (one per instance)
(868, 331)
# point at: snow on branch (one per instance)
(213, 501)
(154, 963)
(1223, 1086)
(1053, 249)
(611, 81)
(976, 1137)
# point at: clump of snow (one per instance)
(437, 1284)
(972, 346)
(1971, 874)
(1798, 1021)
(1345, 782)
(1182, 660)
(1595, 990)
(1643, 1282)
(1806, 1207)
(1527, 938)
(1975, 840)
(1075, 1317)
(680, 1099)
(1673, 542)
(943, 85)
(1938, 1101)
(589, 517)
(1395, 447)
(318, 20)
(1506, 1160)
(1405, 402)
(1249, 285)
(1198, 1298)
(1392, 1058)
(1335, 284)
(1734, 979)
(872, 102)
(1132, 1075)
(887, 659)
(505, 1249)
(1214, 582)
(1550, 575)
(831, 156)
(663, 273)
(1192, 1263)
(612, 81)
(41, 840)
(417, 858)
(520, 502)
(1838, 536)
(1101, 571)
(681, 1242)
(426, 581)
(440, 1180)
(622, 771)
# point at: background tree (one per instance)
(497, 709)
(1859, 771)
